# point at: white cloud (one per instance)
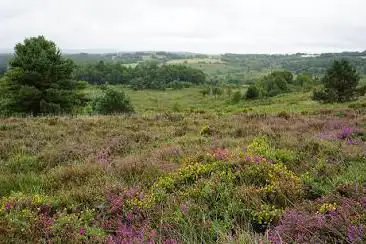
(213, 26)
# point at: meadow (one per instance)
(187, 168)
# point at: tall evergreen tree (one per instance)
(39, 80)
(340, 83)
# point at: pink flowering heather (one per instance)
(356, 233)
(184, 208)
(82, 231)
(221, 154)
(345, 133)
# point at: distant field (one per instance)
(190, 99)
(216, 60)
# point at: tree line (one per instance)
(339, 84)
(148, 75)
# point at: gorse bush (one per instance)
(112, 101)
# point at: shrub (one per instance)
(252, 92)
(326, 96)
(332, 219)
(361, 90)
(112, 101)
(237, 96)
(206, 131)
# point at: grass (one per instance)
(216, 60)
(184, 169)
(190, 99)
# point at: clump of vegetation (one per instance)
(252, 92)
(340, 83)
(237, 96)
(275, 83)
(112, 102)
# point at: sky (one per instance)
(202, 26)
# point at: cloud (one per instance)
(213, 26)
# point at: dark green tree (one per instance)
(39, 80)
(252, 92)
(340, 83)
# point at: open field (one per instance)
(215, 60)
(191, 100)
(210, 172)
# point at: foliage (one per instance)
(340, 83)
(237, 96)
(252, 92)
(39, 80)
(333, 222)
(306, 80)
(112, 102)
(147, 75)
(275, 83)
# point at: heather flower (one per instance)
(116, 203)
(7, 206)
(171, 241)
(335, 124)
(221, 154)
(82, 231)
(103, 156)
(355, 233)
(363, 202)
(184, 208)
(332, 213)
(129, 216)
(152, 234)
(345, 133)
(274, 237)
(327, 136)
(257, 159)
(45, 222)
(297, 226)
(130, 192)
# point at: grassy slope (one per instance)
(186, 100)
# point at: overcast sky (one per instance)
(206, 26)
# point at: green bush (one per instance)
(237, 96)
(252, 92)
(112, 101)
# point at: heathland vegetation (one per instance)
(138, 148)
